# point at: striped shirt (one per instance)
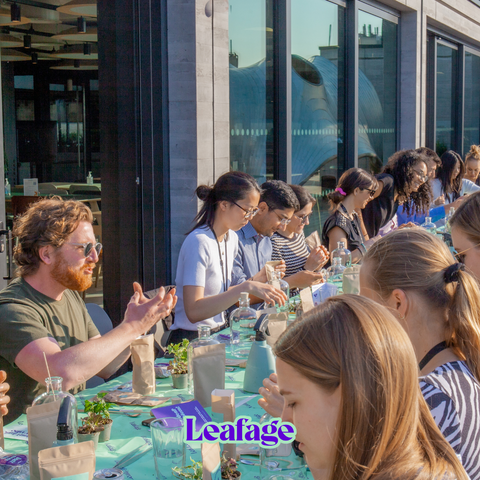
(453, 396)
(293, 250)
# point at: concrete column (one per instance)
(198, 105)
(412, 80)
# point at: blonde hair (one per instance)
(467, 217)
(415, 260)
(385, 429)
(473, 154)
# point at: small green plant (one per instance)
(229, 468)
(196, 472)
(98, 414)
(179, 363)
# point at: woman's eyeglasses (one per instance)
(87, 247)
(372, 192)
(423, 178)
(303, 218)
(248, 213)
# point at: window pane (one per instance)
(318, 62)
(377, 95)
(251, 87)
(472, 101)
(446, 85)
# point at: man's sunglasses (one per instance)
(87, 247)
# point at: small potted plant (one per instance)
(179, 365)
(89, 430)
(229, 469)
(192, 472)
(99, 409)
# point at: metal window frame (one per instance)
(459, 90)
(379, 10)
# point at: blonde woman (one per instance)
(348, 376)
(472, 165)
(437, 302)
(465, 224)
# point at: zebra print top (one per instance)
(453, 396)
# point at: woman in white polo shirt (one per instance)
(206, 258)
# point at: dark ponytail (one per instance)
(230, 187)
(350, 180)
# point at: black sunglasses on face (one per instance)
(87, 247)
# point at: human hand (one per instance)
(408, 225)
(282, 268)
(271, 401)
(439, 200)
(4, 387)
(268, 293)
(143, 315)
(317, 259)
(371, 241)
(304, 278)
(455, 204)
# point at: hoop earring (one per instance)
(402, 318)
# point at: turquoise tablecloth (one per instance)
(128, 433)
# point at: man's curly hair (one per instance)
(401, 165)
(47, 222)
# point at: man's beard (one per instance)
(70, 278)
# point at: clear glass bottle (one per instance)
(242, 321)
(343, 253)
(55, 392)
(281, 462)
(204, 338)
(448, 227)
(335, 271)
(277, 281)
(8, 188)
(429, 226)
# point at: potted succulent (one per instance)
(229, 469)
(192, 472)
(179, 365)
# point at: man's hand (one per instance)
(303, 279)
(143, 314)
(4, 399)
(272, 402)
(261, 276)
(317, 259)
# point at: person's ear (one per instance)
(356, 191)
(262, 208)
(223, 205)
(398, 301)
(46, 254)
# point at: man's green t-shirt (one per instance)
(27, 315)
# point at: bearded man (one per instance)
(41, 310)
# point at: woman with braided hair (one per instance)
(437, 301)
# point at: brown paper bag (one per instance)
(208, 365)
(211, 461)
(61, 462)
(42, 432)
(351, 280)
(270, 268)
(277, 323)
(223, 403)
(2, 438)
(143, 358)
(307, 299)
(313, 240)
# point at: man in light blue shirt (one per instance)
(277, 205)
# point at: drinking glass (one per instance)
(168, 446)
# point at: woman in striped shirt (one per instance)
(438, 303)
(289, 245)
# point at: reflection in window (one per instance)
(318, 60)
(377, 95)
(251, 87)
(472, 101)
(445, 101)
